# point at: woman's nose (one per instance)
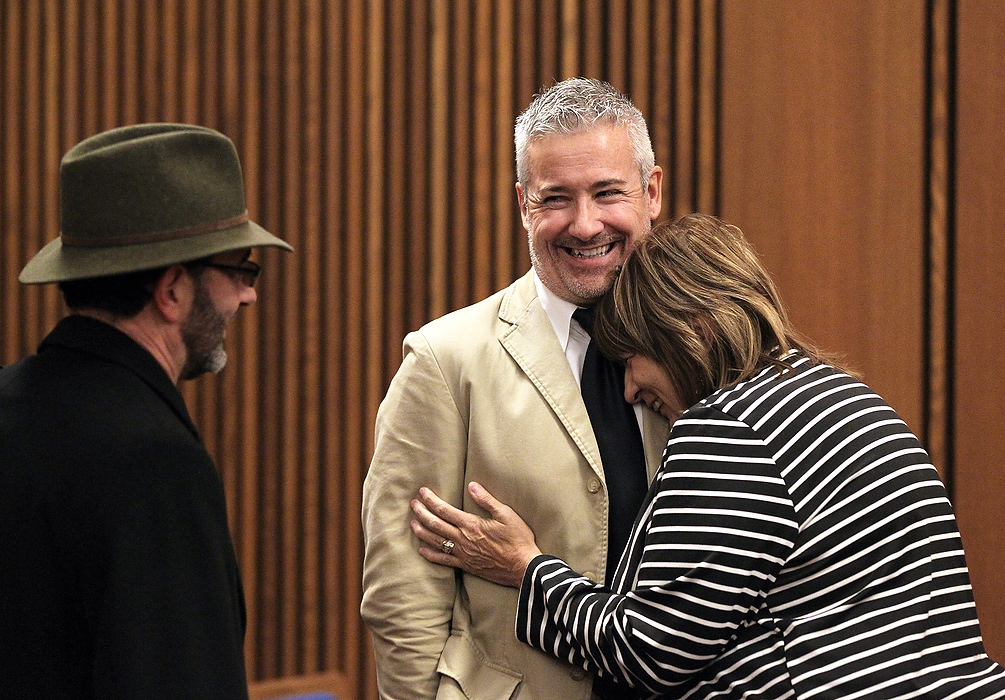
(631, 391)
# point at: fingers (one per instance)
(443, 510)
(435, 556)
(486, 500)
(429, 528)
(434, 552)
(497, 548)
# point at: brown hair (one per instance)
(694, 298)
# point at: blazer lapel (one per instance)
(655, 432)
(531, 342)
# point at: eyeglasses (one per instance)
(247, 272)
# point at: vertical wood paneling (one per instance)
(616, 41)
(706, 91)
(822, 143)
(311, 563)
(337, 537)
(640, 55)
(376, 136)
(459, 181)
(15, 237)
(31, 161)
(90, 70)
(592, 61)
(526, 80)
(270, 632)
(388, 164)
(546, 52)
(288, 132)
(937, 423)
(504, 219)
(680, 188)
(148, 77)
(440, 189)
(661, 90)
(397, 167)
(251, 506)
(52, 151)
(30, 129)
(356, 229)
(979, 411)
(569, 60)
(483, 104)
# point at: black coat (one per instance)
(118, 577)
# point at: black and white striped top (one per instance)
(797, 543)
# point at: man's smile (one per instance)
(594, 252)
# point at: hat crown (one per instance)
(148, 182)
(146, 196)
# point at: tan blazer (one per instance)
(485, 394)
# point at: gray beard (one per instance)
(202, 333)
(216, 361)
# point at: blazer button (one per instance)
(593, 486)
(577, 674)
(590, 575)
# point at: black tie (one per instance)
(617, 432)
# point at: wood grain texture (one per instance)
(376, 136)
(979, 425)
(822, 140)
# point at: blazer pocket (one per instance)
(479, 678)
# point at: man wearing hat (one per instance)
(118, 577)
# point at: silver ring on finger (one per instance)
(447, 546)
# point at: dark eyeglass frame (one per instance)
(247, 272)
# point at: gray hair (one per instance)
(579, 104)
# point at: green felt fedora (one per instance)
(147, 196)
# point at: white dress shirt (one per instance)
(571, 336)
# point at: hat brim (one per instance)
(59, 263)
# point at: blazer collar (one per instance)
(530, 339)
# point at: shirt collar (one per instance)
(559, 312)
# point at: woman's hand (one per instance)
(498, 548)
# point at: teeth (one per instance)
(591, 252)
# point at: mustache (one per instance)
(604, 238)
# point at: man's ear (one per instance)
(522, 203)
(655, 190)
(173, 293)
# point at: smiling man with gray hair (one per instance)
(118, 577)
(502, 392)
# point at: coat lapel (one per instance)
(655, 432)
(531, 342)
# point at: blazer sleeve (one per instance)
(714, 536)
(420, 440)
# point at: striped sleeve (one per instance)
(717, 527)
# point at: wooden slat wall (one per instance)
(978, 329)
(822, 166)
(376, 136)
(877, 208)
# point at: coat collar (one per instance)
(93, 337)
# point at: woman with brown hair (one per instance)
(796, 543)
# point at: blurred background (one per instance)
(860, 144)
